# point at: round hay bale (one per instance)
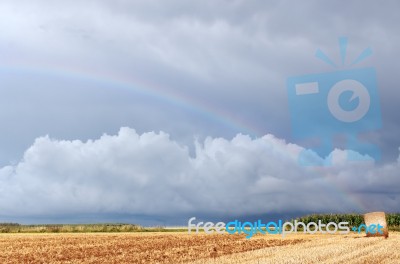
(376, 218)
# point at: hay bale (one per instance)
(376, 218)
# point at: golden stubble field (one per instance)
(196, 248)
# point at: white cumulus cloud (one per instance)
(150, 174)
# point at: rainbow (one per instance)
(151, 90)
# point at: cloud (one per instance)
(60, 66)
(150, 174)
(219, 55)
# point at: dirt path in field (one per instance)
(200, 248)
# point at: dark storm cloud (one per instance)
(228, 57)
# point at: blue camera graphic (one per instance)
(344, 102)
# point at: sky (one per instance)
(155, 111)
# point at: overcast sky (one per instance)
(144, 111)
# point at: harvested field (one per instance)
(200, 248)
